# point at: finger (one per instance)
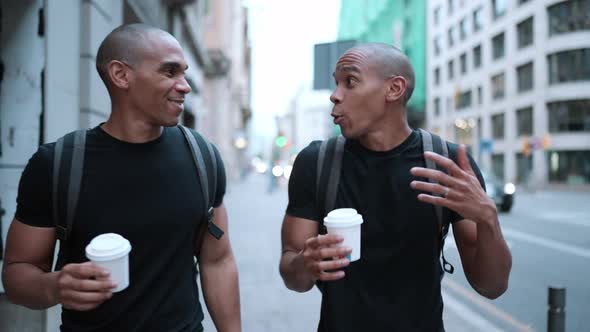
(430, 187)
(435, 200)
(91, 285)
(73, 297)
(330, 276)
(443, 162)
(463, 159)
(335, 264)
(86, 271)
(435, 175)
(329, 239)
(334, 252)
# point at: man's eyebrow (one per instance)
(348, 68)
(171, 65)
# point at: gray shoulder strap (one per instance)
(334, 178)
(59, 146)
(427, 145)
(321, 157)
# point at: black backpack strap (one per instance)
(68, 163)
(208, 187)
(437, 144)
(326, 192)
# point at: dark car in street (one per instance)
(502, 193)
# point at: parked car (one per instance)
(501, 192)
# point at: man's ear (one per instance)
(119, 74)
(396, 88)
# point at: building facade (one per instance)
(511, 79)
(396, 22)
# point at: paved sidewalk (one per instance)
(255, 219)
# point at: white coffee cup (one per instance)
(111, 251)
(346, 223)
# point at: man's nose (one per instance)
(183, 86)
(336, 97)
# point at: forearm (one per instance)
(29, 286)
(492, 261)
(221, 293)
(293, 272)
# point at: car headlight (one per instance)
(509, 188)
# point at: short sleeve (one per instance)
(453, 154)
(33, 203)
(221, 179)
(302, 184)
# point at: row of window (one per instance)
(567, 16)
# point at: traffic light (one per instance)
(526, 146)
(281, 141)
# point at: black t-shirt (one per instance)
(395, 286)
(149, 193)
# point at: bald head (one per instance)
(127, 44)
(390, 61)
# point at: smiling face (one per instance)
(157, 85)
(360, 95)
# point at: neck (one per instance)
(390, 133)
(125, 127)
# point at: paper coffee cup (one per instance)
(346, 223)
(111, 251)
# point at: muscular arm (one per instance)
(219, 277)
(294, 233)
(485, 256)
(26, 273)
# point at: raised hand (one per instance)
(460, 189)
(83, 286)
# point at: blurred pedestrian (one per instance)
(396, 284)
(140, 181)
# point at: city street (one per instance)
(548, 232)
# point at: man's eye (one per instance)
(350, 80)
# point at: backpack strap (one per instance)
(441, 148)
(67, 148)
(208, 188)
(334, 147)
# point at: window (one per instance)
(569, 16)
(524, 167)
(524, 75)
(569, 116)
(451, 69)
(407, 29)
(479, 95)
(498, 86)
(437, 45)
(449, 105)
(524, 31)
(463, 63)
(477, 56)
(524, 121)
(498, 126)
(569, 166)
(477, 20)
(520, 2)
(498, 8)
(498, 46)
(437, 106)
(464, 100)
(463, 29)
(568, 66)
(436, 15)
(498, 165)
(451, 6)
(436, 76)
(451, 36)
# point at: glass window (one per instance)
(477, 20)
(524, 75)
(436, 76)
(498, 86)
(572, 167)
(525, 32)
(437, 45)
(451, 69)
(498, 165)
(524, 167)
(436, 15)
(498, 126)
(449, 105)
(479, 95)
(569, 116)
(498, 46)
(569, 16)
(520, 2)
(463, 29)
(477, 56)
(451, 6)
(498, 8)
(464, 99)
(437, 106)
(463, 63)
(524, 120)
(568, 66)
(451, 36)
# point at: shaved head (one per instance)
(390, 61)
(127, 44)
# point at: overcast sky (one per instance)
(282, 33)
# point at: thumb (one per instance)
(463, 159)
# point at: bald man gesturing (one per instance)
(396, 283)
(140, 181)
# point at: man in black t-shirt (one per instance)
(139, 180)
(395, 285)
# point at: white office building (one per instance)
(511, 79)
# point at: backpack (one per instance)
(68, 165)
(334, 147)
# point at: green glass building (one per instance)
(401, 23)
